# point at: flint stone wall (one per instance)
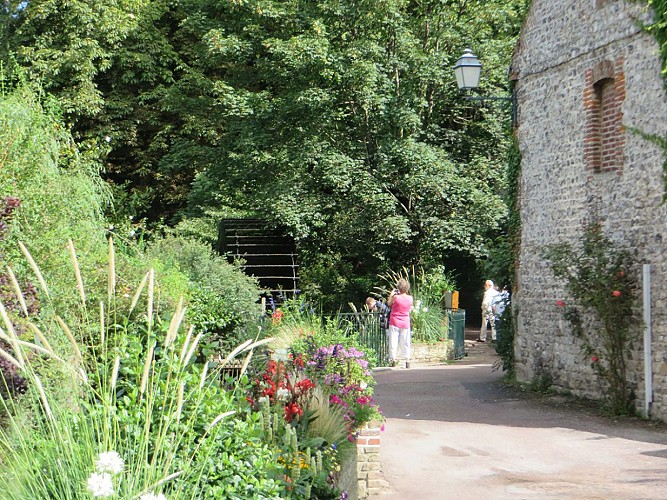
(561, 41)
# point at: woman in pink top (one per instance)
(399, 322)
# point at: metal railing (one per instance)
(368, 331)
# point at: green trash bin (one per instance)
(456, 324)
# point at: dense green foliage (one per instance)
(122, 373)
(659, 30)
(338, 121)
(134, 391)
(503, 259)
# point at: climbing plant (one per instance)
(659, 30)
(602, 294)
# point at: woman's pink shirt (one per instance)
(400, 311)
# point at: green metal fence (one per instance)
(366, 326)
(456, 319)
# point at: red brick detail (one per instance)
(604, 136)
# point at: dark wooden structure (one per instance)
(268, 254)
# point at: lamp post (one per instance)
(467, 70)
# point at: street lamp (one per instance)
(467, 70)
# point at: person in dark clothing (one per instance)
(381, 308)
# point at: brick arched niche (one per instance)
(604, 94)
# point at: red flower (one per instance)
(620, 274)
(616, 293)
(298, 361)
(291, 411)
(277, 316)
(304, 385)
(560, 303)
(595, 359)
(363, 400)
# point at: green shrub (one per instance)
(223, 302)
(60, 190)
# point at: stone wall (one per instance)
(369, 476)
(360, 473)
(570, 51)
(437, 352)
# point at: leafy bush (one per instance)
(60, 190)
(223, 302)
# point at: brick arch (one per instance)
(604, 140)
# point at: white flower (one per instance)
(100, 484)
(425, 309)
(363, 385)
(280, 355)
(263, 399)
(152, 496)
(283, 394)
(111, 462)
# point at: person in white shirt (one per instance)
(487, 312)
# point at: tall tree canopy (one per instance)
(339, 120)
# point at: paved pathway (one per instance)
(454, 432)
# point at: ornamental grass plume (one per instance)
(124, 416)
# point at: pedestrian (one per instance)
(500, 303)
(380, 307)
(400, 333)
(487, 312)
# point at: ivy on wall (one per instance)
(507, 325)
(659, 30)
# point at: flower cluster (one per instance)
(283, 385)
(337, 360)
(417, 308)
(100, 483)
(276, 317)
(359, 406)
(344, 371)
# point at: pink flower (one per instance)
(560, 303)
(616, 293)
(595, 359)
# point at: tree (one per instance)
(339, 121)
